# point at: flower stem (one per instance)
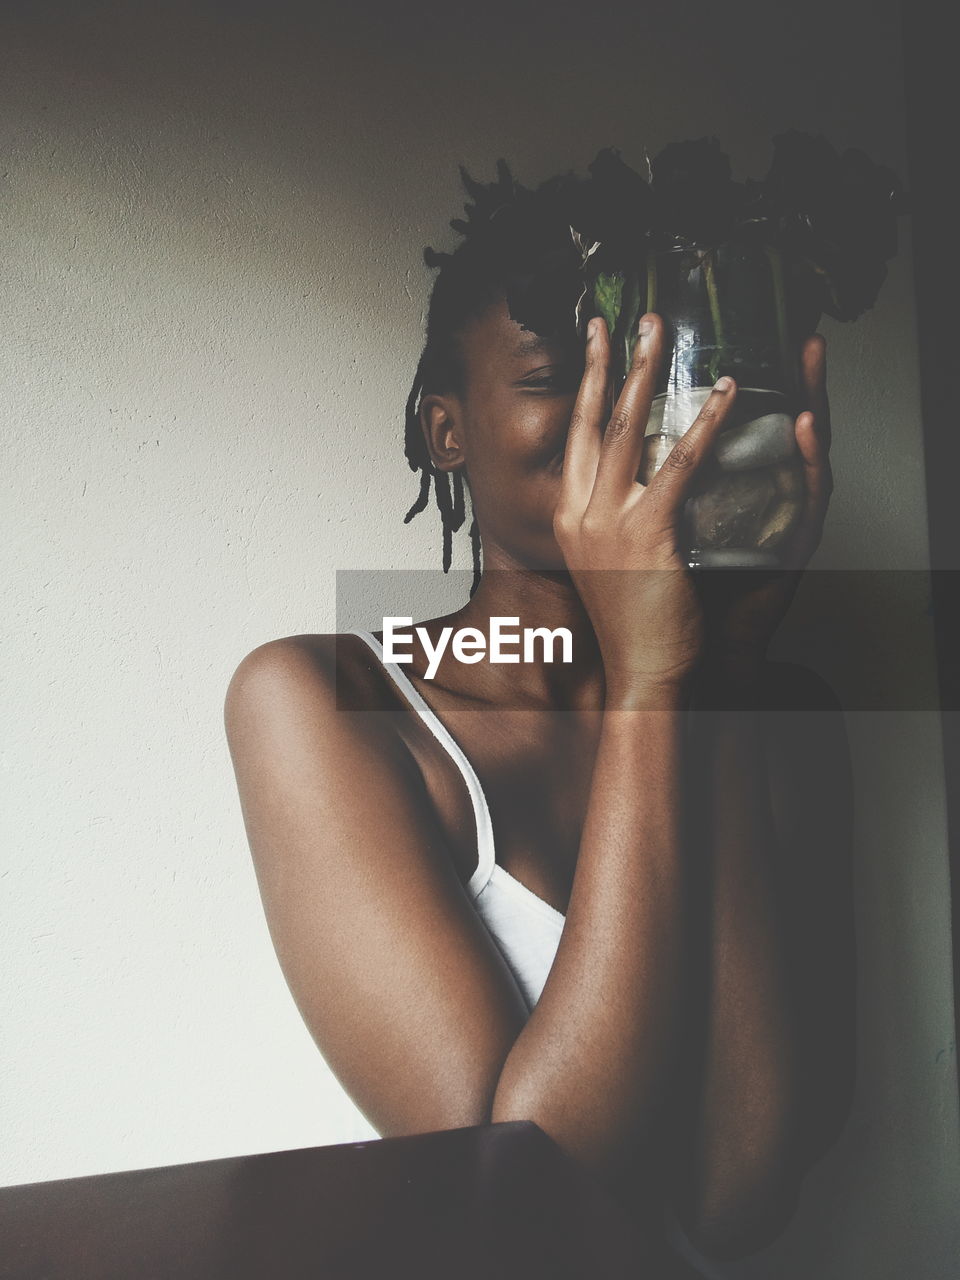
(630, 314)
(710, 279)
(651, 282)
(780, 306)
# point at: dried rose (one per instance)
(696, 199)
(836, 215)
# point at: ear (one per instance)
(440, 423)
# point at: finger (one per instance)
(813, 365)
(668, 488)
(622, 447)
(818, 486)
(582, 451)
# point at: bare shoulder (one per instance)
(286, 666)
(338, 668)
(309, 716)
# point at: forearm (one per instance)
(741, 1170)
(593, 1063)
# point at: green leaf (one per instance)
(630, 315)
(607, 297)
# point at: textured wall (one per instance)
(211, 297)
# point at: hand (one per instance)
(619, 538)
(743, 607)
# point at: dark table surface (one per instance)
(499, 1201)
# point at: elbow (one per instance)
(583, 1137)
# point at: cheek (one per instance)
(527, 498)
(516, 470)
(533, 438)
(518, 491)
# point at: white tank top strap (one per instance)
(481, 811)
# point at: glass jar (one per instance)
(725, 312)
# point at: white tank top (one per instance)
(525, 929)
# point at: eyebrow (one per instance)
(532, 344)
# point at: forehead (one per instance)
(494, 337)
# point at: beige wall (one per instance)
(211, 296)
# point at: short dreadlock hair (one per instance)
(517, 245)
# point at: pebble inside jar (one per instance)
(725, 313)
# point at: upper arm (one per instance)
(392, 970)
(811, 788)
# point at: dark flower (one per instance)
(578, 245)
(575, 229)
(615, 207)
(541, 257)
(757, 213)
(836, 215)
(544, 299)
(696, 197)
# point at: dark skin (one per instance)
(694, 1036)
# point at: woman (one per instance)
(546, 891)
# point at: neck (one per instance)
(537, 598)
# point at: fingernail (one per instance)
(591, 330)
(723, 384)
(646, 327)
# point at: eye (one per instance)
(565, 378)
